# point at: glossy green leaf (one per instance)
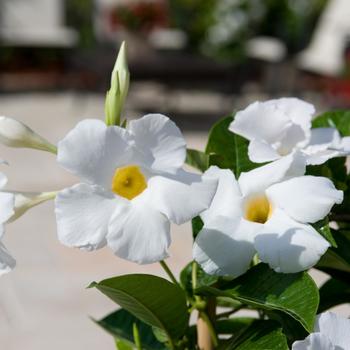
(197, 159)
(337, 258)
(151, 299)
(334, 292)
(197, 225)
(336, 119)
(120, 325)
(322, 227)
(292, 329)
(228, 150)
(294, 294)
(259, 335)
(160, 335)
(233, 325)
(122, 345)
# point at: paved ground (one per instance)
(44, 303)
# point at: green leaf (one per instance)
(337, 258)
(203, 279)
(120, 325)
(160, 335)
(259, 335)
(336, 119)
(152, 299)
(322, 227)
(292, 329)
(197, 159)
(228, 150)
(294, 294)
(233, 325)
(121, 345)
(333, 292)
(228, 302)
(197, 225)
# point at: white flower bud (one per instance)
(24, 201)
(116, 95)
(16, 134)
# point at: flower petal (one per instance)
(7, 262)
(298, 111)
(335, 328)
(3, 180)
(288, 246)
(259, 179)
(261, 121)
(227, 199)
(83, 213)
(182, 196)
(225, 246)
(305, 198)
(7, 205)
(315, 341)
(294, 137)
(325, 143)
(323, 137)
(345, 144)
(260, 152)
(160, 140)
(321, 157)
(139, 233)
(92, 151)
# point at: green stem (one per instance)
(194, 275)
(168, 271)
(136, 335)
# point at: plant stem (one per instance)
(229, 313)
(207, 338)
(194, 275)
(136, 335)
(168, 271)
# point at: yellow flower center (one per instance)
(258, 209)
(128, 182)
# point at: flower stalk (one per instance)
(166, 268)
(207, 338)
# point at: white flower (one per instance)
(267, 210)
(16, 134)
(132, 185)
(331, 332)
(277, 128)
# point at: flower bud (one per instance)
(116, 95)
(24, 201)
(16, 134)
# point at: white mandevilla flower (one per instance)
(277, 128)
(331, 332)
(132, 185)
(266, 211)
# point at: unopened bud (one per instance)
(116, 95)
(16, 134)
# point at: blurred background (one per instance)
(193, 60)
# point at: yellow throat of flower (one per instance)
(128, 182)
(258, 209)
